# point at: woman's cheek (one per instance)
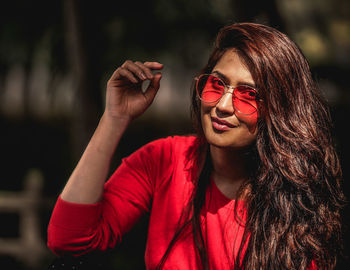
(250, 120)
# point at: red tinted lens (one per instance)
(243, 106)
(244, 99)
(210, 88)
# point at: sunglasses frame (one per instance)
(227, 89)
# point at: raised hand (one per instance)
(125, 98)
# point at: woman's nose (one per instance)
(225, 104)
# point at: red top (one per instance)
(158, 178)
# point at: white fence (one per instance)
(29, 247)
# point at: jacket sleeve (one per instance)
(76, 229)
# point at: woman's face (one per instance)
(223, 126)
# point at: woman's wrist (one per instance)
(116, 121)
(108, 133)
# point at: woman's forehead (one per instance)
(233, 68)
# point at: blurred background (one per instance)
(56, 57)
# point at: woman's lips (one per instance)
(220, 124)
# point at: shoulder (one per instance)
(166, 148)
(174, 143)
(169, 150)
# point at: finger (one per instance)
(147, 71)
(152, 89)
(153, 65)
(135, 69)
(121, 72)
(124, 73)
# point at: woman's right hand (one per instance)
(125, 98)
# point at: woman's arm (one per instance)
(125, 101)
(78, 228)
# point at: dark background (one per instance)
(56, 57)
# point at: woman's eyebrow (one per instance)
(222, 76)
(226, 79)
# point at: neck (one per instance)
(229, 163)
(229, 169)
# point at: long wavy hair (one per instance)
(295, 198)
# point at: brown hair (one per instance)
(295, 198)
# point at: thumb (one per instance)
(153, 87)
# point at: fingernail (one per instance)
(143, 77)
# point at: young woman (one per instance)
(256, 188)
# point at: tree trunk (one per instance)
(85, 110)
